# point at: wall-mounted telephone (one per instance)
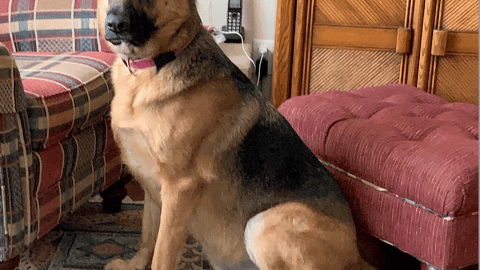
(234, 21)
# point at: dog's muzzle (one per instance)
(124, 23)
(116, 28)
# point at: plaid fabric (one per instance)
(50, 26)
(56, 144)
(69, 173)
(407, 162)
(75, 155)
(65, 92)
(15, 160)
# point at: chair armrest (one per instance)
(12, 96)
(15, 161)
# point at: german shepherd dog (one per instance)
(215, 159)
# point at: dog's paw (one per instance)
(120, 264)
(117, 264)
(140, 261)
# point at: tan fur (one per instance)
(187, 124)
(174, 132)
(295, 237)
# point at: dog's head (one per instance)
(146, 28)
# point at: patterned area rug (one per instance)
(89, 238)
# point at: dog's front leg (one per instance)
(179, 199)
(150, 225)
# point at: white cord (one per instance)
(259, 69)
(243, 46)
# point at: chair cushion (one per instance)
(65, 92)
(398, 138)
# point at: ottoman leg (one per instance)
(113, 196)
(10, 264)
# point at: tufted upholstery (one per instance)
(407, 161)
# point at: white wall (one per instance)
(258, 16)
(258, 20)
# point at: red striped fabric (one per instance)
(447, 243)
(407, 161)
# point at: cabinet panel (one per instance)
(456, 78)
(449, 63)
(354, 37)
(460, 15)
(355, 43)
(349, 69)
(346, 44)
(360, 12)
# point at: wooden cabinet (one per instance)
(449, 56)
(347, 44)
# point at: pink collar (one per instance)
(136, 64)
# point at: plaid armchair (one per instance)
(56, 145)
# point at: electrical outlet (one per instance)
(261, 43)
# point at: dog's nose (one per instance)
(117, 22)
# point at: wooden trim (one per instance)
(414, 57)
(283, 51)
(408, 14)
(404, 38)
(302, 47)
(299, 48)
(461, 43)
(307, 54)
(404, 41)
(426, 44)
(439, 42)
(379, 39)
(432, 68)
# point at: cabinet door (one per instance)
(355, 43)
(449, 56)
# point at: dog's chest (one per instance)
(136, 151)
(141, 137)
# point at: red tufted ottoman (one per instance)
(407, 162)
